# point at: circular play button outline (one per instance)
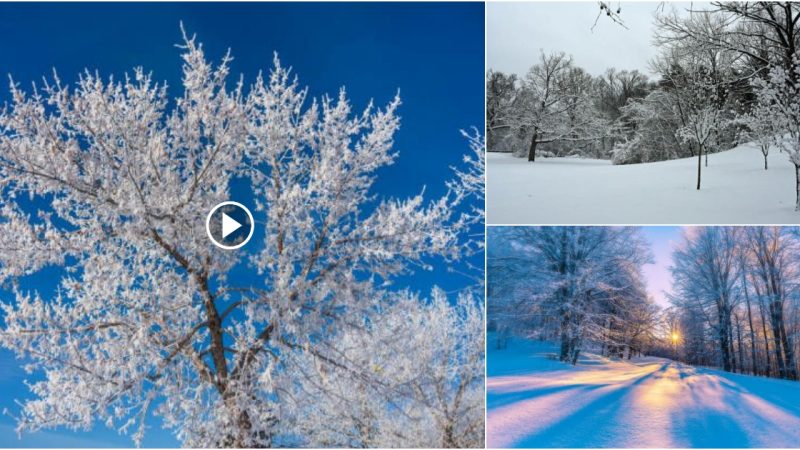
(208, 225)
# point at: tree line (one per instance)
(735, 299)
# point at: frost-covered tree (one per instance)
(705, 274)
(735, 293)
(440, 405)
(779, 93)
(501, 92)
(653, 122)
(700, 128)
(760, 126)
(755, 41)
(149, 317)
(576, 285)
(774, 269)
(542, 105)
(758, 33)
(699, 84)
(554, 104)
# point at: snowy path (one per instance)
(651, 402)
(735, 190)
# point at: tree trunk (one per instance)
(776, 318)
(565, 340)
(576, 350)
(731, 343)
(739, 342)
(765, 152)
(750, 323)
(768, 371)
(532, 149)
(699, 165)
(724, 345)
(791, 366)
(797, 187)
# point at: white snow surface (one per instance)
(534, 401)
(735, 189)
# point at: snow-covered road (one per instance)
(650, 402)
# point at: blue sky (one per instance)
(432, 53)
(662, 243)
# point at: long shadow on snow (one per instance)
(753, 407)
(497, 397)
(577, 429)
(498, 400)
(704, 426)
(693, 424)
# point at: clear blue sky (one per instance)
(433, 53)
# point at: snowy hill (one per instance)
(735, 190)
(533, 401)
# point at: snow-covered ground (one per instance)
(735, 189)
(533, 401)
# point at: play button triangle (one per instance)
(229, 225)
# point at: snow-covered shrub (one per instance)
(627, 152)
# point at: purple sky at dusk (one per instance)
(662, 241)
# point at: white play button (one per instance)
(229, 225)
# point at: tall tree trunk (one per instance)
(532, 149)
(776, 318)
(764, 330)
(731, 343)
(797, 187)
(750, 323)
(739, 342)
(788, 350)
(576, 349)
(699, 165)
(722, 334)
(565, 338)
(765, 152)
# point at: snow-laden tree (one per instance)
(541, 109)
(753, 41)
(757, 33)
(700, 87)
(734, 290)
(774, 272)
(760, 127)
(576, 285)
(702, 124)
(779, 93)
(653, 122)
(705, 274)
(554, 104)
(436, 384)
(501, 93)
(150, 318)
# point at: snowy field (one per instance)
(533, 401)
(735, 189)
